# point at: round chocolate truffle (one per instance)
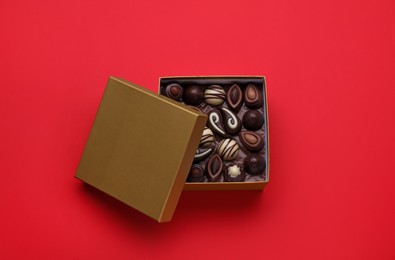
(253, 120)
(174, 91)
(214, 95)
(228, 149)
(254, 164)
(196, 174)
(193, 95)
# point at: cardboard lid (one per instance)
(140, 148)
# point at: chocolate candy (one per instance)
(231, 122)
(214, 95)
(234, 98)
(232, 145)
(215, 122)
(202, 154)
(193, 95)
(251, 140)
(253, 97)
(196, 174)
(174, 91)
(254, 164)
(214, 168)
(228, 149)
(253, 120)
(234, 173)
(207, 139)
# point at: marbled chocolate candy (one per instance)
(228, 149)
(207, 139)
(193, 95)
(251, 140)
(231, 122)
(214, 168)
(202, 153)
(234, 173)
(215, 122)
(196, 174)
(214, 95)
(254, 164)
(174, 91)
(253, 120)
(234, 97)
(253, 97)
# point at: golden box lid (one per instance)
(140, 148)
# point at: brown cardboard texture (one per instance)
(227, 81)
(140, 148)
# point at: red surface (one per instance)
(330, 74)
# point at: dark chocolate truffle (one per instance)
(234, 173)
(196, 174)
(232, 123)
(174, 91)
(234, 97)
(253, 120)
(253, 97)
(251, 140)
(254, 164)
(193, 95)
(214, 168)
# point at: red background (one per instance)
(330, 73)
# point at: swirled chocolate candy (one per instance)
(254, 164)
(253, 120)
(207, 139)
(234, 173)
(215, 122)
(228, 149)
(251, 140)
(202, 154)
(196, 174)
(214, 95)
(253, 97)
(234, 97)
(193, 95)
(174, 91)
(231, 122)
(214, 168)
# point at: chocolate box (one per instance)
(136, 151)
(142, 145)
(225, 82)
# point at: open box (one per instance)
(142, 145)
(226, 82)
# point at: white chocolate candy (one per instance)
(214, 95)
(228, 149)
(234, 171)
(207, 138)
